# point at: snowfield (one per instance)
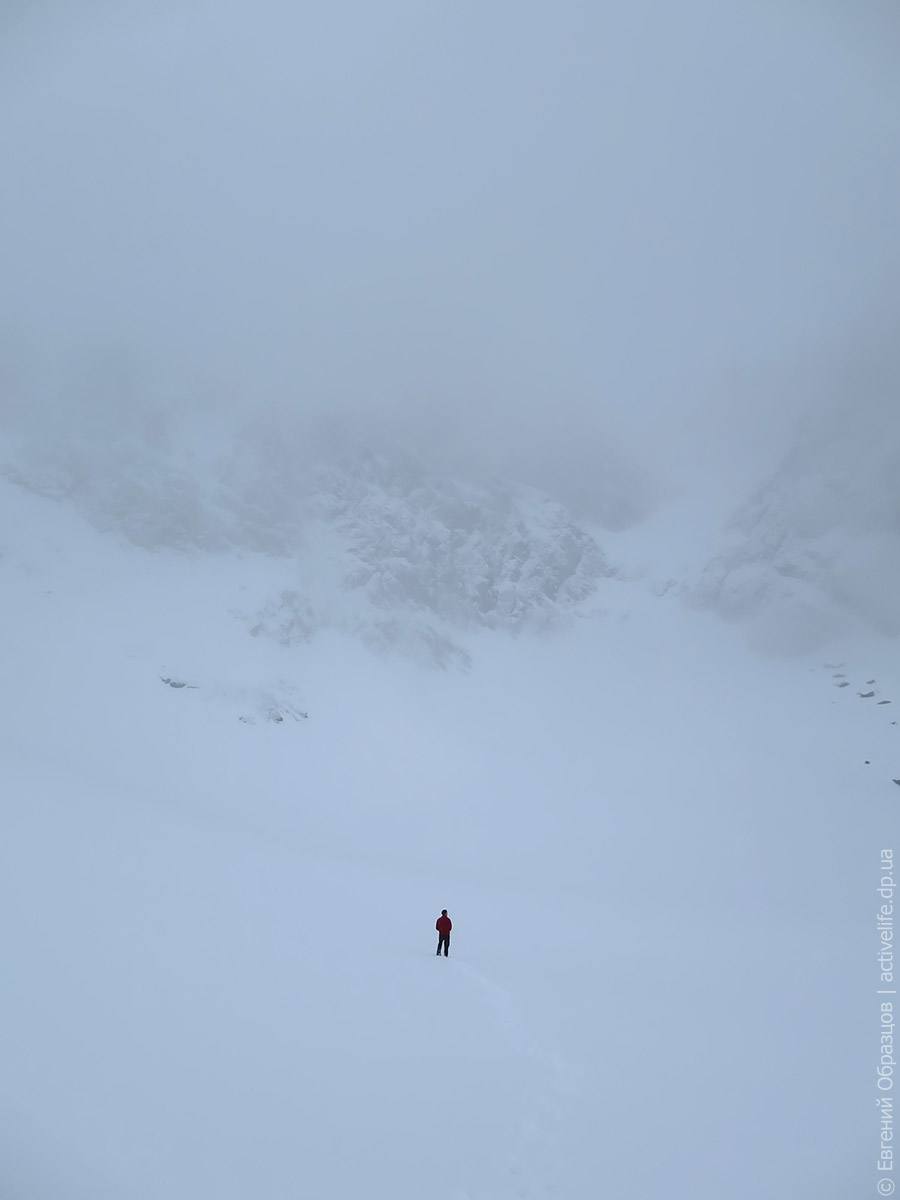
(659, 849)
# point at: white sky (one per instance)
(582, 215)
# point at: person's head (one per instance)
(443, 912)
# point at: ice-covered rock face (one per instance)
(471, 554)
(818, 545)
(401, 554)
(414, 556)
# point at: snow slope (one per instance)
(660, 853)
(814, 549)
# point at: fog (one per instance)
(537, 234)
(271, 703)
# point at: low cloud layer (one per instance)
(536, 235)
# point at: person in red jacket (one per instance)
(443, 925)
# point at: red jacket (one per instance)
(443, 925)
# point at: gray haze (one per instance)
(531, 232)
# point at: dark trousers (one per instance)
(444, 940)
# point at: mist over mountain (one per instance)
(432, 538)
(449, 458)
(383, 218)
(817, 544)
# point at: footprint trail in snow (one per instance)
(525, 1168)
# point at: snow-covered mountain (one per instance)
(218, 972)
(815, 550)
(229, 826)
(406, 557)
(402, 508)
(415, 556)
